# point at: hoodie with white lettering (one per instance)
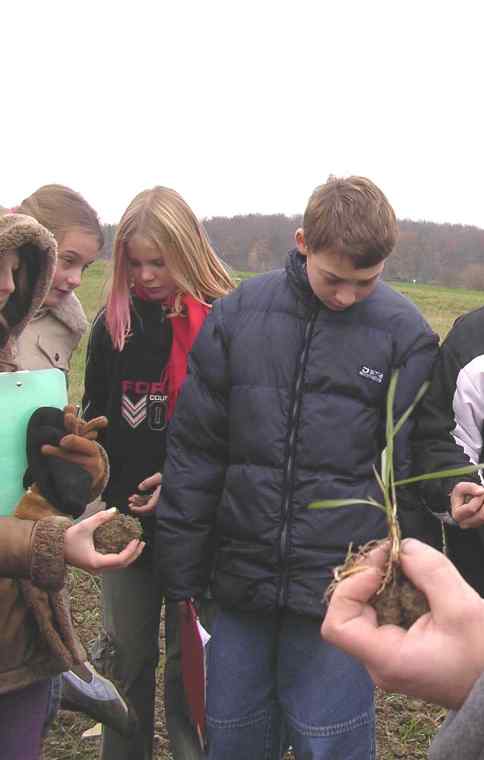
(125, 386)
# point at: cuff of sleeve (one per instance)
(48, 566)
(101, 484)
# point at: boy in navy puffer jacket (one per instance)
(284, 405)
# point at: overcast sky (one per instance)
(245, 106)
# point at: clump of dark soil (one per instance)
(399, 603)
(113, 536)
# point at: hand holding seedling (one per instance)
(441, 656)
(467, 504)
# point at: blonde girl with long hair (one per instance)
(165, 277)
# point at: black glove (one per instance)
(67, 486)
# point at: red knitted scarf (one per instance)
(185, 328)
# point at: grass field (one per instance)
(404, 726)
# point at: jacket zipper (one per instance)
(286, 509)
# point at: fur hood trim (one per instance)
(16, 231)
(70, 313)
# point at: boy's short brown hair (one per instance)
(351, 216)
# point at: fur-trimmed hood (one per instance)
(70, 312)
(32, 240)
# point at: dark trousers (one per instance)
(23, 714)
(132, 605)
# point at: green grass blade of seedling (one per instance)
(379, 480)
(420, 393)
(452, 473)
(388, 471)
(335, 503)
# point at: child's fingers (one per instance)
(131, 552)
(151, 482)
(468, 510)
(98, 518)
(466, 489)
(474, 521)
(142, 509)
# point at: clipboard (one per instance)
(21, 393)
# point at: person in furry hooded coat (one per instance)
(37, 640)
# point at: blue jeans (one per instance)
(273, 682)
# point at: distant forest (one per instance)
(444, 254)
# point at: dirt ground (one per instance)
(404, 726)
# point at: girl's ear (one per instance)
(300, 242)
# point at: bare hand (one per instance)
(441, 656)
(467, 504)
(79, 546)
(142, 505)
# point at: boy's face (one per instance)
(334, 279)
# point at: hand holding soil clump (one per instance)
(112, 537)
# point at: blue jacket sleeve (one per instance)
(194, 472)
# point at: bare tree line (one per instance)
(444, 254)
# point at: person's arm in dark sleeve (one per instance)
(448, 431)
(194, 472)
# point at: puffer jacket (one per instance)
(52, 335)
(284, 405)
(36, 635)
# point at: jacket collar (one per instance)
(298, 278)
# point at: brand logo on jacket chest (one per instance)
(143, 401)
(375, 375)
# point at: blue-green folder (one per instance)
(21, 393)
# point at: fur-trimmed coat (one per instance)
(52, 335)
(37, 639)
